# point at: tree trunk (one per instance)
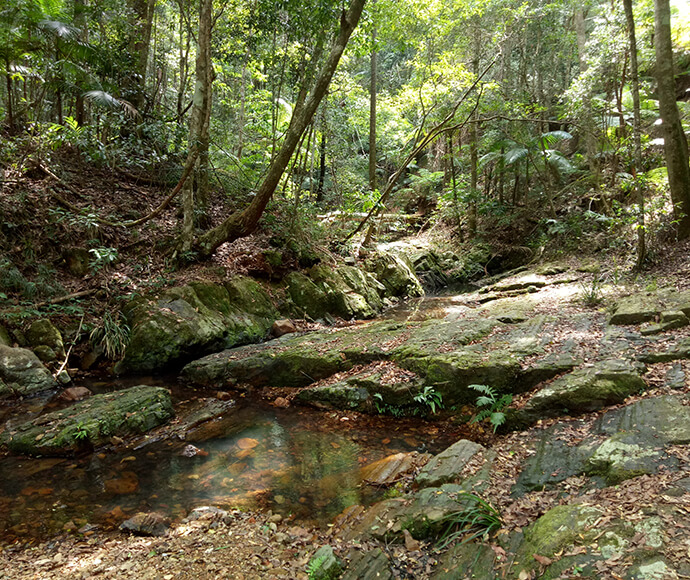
(199, 119)
(372, 110)
(675, 144)
(637, 141)
(243, 223)
(142, 11)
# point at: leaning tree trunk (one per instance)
(242, 223)
(199, 120)
(675, 144)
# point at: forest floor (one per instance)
(243, 545)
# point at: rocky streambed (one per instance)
(588, 477)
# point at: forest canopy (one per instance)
(531, 119)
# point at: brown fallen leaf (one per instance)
(543, 560)
(411, 545)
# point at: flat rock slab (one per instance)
(92, 422)
(554, 460)
(646, 306)
(22, 373)
(371, 565)
(447, 466)
(585, 390)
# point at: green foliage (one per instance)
(591, 292)
(477, 520)
(81, 432)
(314, 567)
(494, 404)
(102, 258)
(112, 334)
(428, 401)
(430, 398)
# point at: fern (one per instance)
(494, 404)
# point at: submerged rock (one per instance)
(92, 422)
(21, 373)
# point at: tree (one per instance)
(244, 222)
(637, 141)
(199, 123)
(675, 144)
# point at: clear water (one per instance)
(301, 463)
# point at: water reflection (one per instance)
(285, 460)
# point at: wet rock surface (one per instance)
(91, 422)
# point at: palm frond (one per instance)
(516, 154)
(59, 29)
(107, 100)
(552, 137)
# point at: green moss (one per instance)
(91, 422)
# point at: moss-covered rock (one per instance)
(189, 321)
(44, 333)
(295, 361)
(92, 422)
(350, 292)
(625, 456)
(337, 396)
(584, 390)
(5, 339)
(467, 560)
(21, 373)
(559, 529)
(371, 565)
(396, 275)
(424, 515)
(308, 298)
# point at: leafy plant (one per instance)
(112, 334)
(431, 398)
(102, 257)
(591, 293)
(477, 520)
(81, 433)
(494, 404)
(428, 400)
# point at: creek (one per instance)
(299, 462)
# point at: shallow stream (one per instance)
(299, 462)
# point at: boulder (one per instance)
(282, 327)
(91, 422)
(22, 373)
(447, 466)
(395, 274)
(350, 292)
(584, 390)
(390, 469)
(466, 560)
(308, 298)
(44, 333)
(190, 321)
(337, 396)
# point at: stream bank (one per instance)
(591, 482)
